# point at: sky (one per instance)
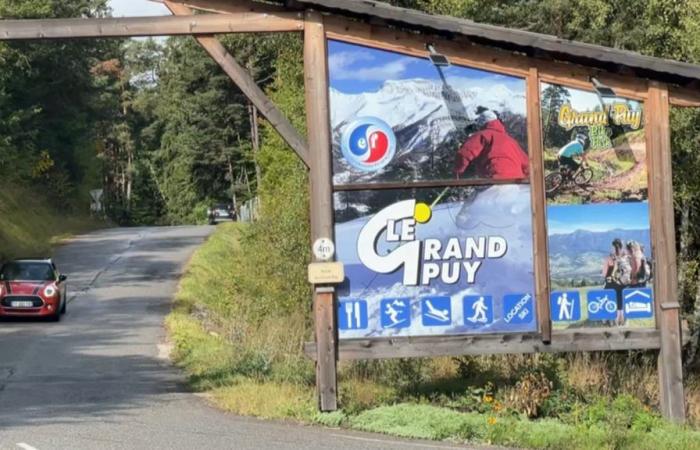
(354, 69)
(135, 8)
(564, 219)
(588, 101)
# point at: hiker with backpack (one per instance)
(640, 273)
(617, 271)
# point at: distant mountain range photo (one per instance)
(580, 255)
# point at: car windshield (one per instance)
(221, 206)
(27, 271)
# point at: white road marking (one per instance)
(25, 446)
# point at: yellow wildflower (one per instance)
(491, 421)
(488, 398)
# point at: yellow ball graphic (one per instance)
(423, 213)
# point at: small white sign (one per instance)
(96, 195)
(324, 249)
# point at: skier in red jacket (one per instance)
(492, 151)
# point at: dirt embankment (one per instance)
(625, 181)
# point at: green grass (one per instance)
(29, 226)
(436, 423)
(254, 366)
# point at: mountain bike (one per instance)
(566, 178)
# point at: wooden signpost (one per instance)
(531, 57)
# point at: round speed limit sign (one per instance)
(324, 249)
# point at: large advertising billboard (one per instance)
(597, 215)
(439, 260)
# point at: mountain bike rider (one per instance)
(568, 153)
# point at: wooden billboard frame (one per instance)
(317, 28)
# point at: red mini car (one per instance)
(32, 288)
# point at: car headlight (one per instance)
(50, 291)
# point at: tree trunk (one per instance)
(233, 186)
(694, 345)
(255, 140)
(129, 179)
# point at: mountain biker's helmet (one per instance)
(583, 139)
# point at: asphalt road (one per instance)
(99, 379)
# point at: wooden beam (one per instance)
(229, 7)
(539, 206)
(318, 129)
(428, 184)
(570, 340)
(202, 24)
(464, 53)
(684, 97)
(663, 243)
(249, 88)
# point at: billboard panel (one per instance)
(399, 118)
(435, 261)
(598, 216)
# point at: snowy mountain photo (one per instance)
(431, 111)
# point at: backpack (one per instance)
(645, 271)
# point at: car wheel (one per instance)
(63, 306)
(56, 317)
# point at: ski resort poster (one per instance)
(600, 260)
(435, 261)
(400, 118)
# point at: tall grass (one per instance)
(30, 225)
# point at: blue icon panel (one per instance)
(352, 315)
(565, 306)
(638, 303)
(436, 311)
(518, 308)
(602, 304)
(396, 313)
(478, 310)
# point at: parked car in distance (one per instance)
(220, 211)
(32, 288)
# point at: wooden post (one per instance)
(319, 138)
(539, 206)
(663, 243)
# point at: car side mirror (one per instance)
(62, 278)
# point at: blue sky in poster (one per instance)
(564, 219)
(355, 69)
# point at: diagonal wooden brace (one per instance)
(248, 86)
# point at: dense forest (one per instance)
(164, 132)
(154, 123)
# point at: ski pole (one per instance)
(439, 197)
